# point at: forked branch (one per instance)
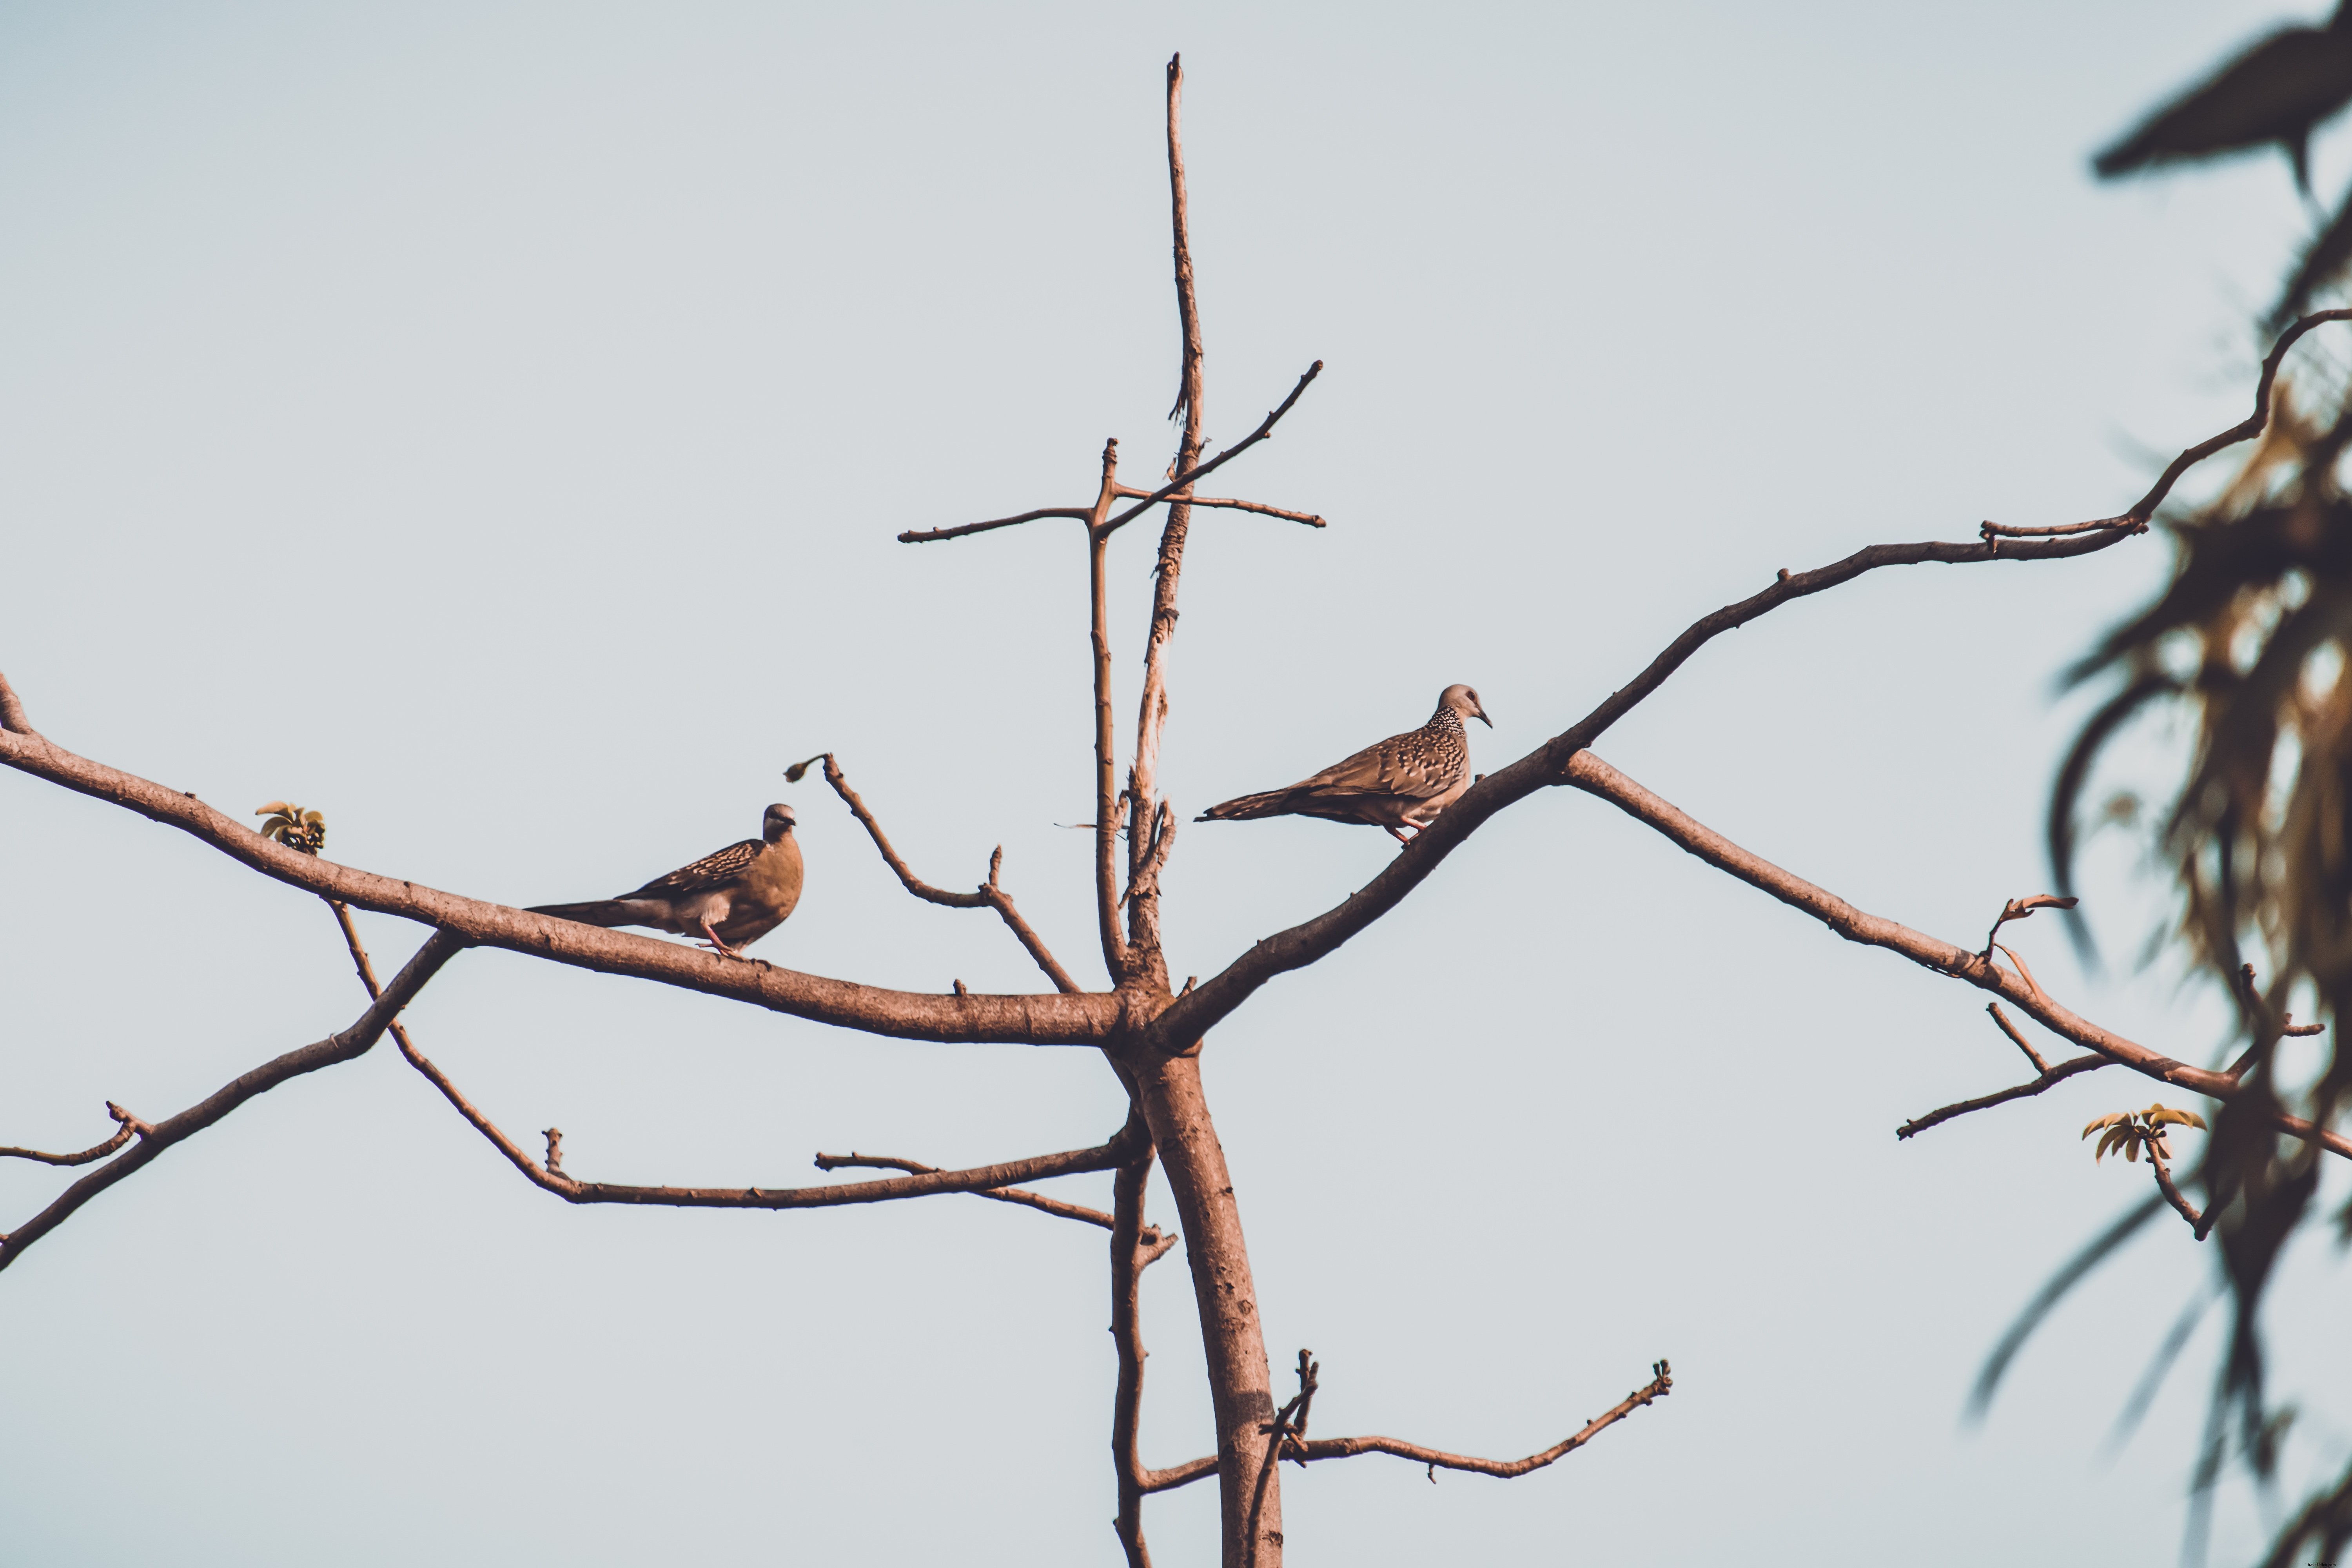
(991, 894)
(344, 1047)
(1306, 1451)
(1595, 777)
(132, 1127)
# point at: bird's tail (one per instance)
(595, 913)
(1272, 803)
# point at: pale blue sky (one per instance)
(489, 424)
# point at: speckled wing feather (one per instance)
(713, 871)
(1390, 782)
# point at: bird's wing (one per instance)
(1413, 765)
(713, 871)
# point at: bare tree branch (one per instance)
(1307, 518)
(2010, 1029)
(1114, 941)
(351, 1043)
(929, 1180)
(1042, 1020)
(1151, 1241)
(2049, 1076)
(1310, 940)
(553, 1178)
(925, 535)
(1127, 1265)
(1304, 1452)
(1186, 478)
(132, 1127)
(12, 711)
(2172, 1195)
(2145, 507)
(989, 895)
(1589, 773)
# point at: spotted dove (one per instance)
(734, 896)
(1403, 782)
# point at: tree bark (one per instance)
(1240, 1382)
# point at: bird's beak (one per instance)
(1483, 720)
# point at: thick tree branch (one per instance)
(1307, 1451)
(929, 1178)
(2049, 1076)
(1310, 940)
(1042, 1020)
(132, 1127)
(353, 1042)
(1595, 777)
(989, 896)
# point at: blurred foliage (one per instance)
(299, 830)
(2246, 652)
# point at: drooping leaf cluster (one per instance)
(2248, 651)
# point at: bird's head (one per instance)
(777, 823)
(1465, 702)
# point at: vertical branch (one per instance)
(1127, 1265)
(1151, 719)
(1114, 944)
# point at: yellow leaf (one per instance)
(273, 805)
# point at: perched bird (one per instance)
(2276, 91)
(734, 896)
(1403, 782)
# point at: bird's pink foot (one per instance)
(716, 944)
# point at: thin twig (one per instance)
(344, 1047)
(2020, 908)
(1308, 517)
(2172, 1195)
(925, 535)
(551, 1177)
(12, 711)
(1150, 1235)
(2049, 1076)
(2144, 508)
(1595, 777)
(132, 1127)
(989, 895)
(1127, 1262)
(1437, 1459)
(2010, 1029)
(1185, 479)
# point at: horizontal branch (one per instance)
(925, 535)
(1039, 1201)
(1308, 517)
(1307, 1451)
(338, 1047)
(1040, 1020)
(132, 1126)
(2056, 1075)
(553, 1178)
(1595, 777)
(988, 895)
